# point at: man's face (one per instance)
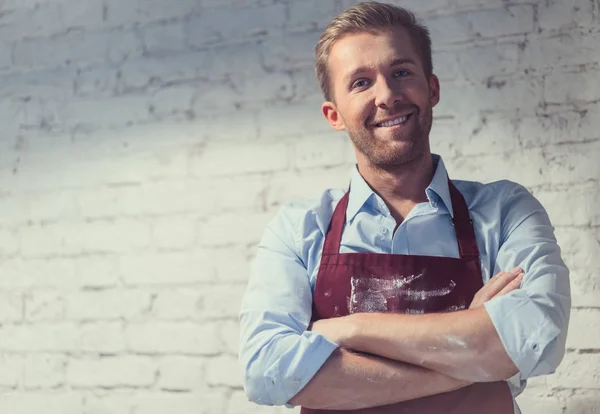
(382, 97)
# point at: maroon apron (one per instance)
(395, 283)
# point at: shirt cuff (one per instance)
(289, 375)
(524, 329)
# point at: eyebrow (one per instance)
(395, 62)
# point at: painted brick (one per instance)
(114, 372)
(63, 402)
(576, 87)
(556, 14)
(224, 370)
(172, 338)
(44, 371)
(584, 328)
(577, 371)
(181, 373)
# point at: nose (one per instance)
(387, 93)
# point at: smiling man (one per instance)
(379, 298)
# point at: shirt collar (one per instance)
(361, 192)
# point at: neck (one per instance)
(401, 187)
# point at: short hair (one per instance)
(372, 17)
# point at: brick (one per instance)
(9, 242)
(583, 201)
(244, 127)
(306, 186)
(220, 25)
(307, 92)
(583, 402)
(11, 370)
(181, 373)
(230, 335)
(167, 268)
(150, 198)
(446, 65)
(257, 90)
(59, 337)
(292, 50)
(232, 228)
(44, 371)
(291, 121)
(219, 302)
(209, 402)
(485, 61)
(216, 98)
(232, 263)
(312, 14)
(177, 304)
(231, 61)
(180, 338)
(559, 128)
(219, 160)
(239, 403)
(577, 371)
(559, 15)
(11, 307)
(507, 95)
(102, 337)
(585, 285)
(162, 38)
(141, 12)
(63, 402)
(86, 272)
(136, 74)
(130, 305)
(172, 102)
(76, 48)
(106, 112)
(90, 237)
(572, 88)
(548, 404)
(44, 306)
(324, 150)
(492, 23)
(580, 246)
(562, 49)
(224, 370)
(173, 232)
(5, 55)
(584, 328)
(114, 372)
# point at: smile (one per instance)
(398, 121)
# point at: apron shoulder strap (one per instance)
(333, 237)
(463, 225)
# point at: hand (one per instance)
(338, 330)
(499, 285)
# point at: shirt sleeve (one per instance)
(278, 354)
(531, 321)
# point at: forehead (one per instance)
(369, 50)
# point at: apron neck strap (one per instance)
(463, 225)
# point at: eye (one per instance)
(361, 83)
(401, 73)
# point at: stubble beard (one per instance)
(389, 155)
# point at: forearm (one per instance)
(350, 381)
(463, 344)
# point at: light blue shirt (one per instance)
(512, 228)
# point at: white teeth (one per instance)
(394, 122)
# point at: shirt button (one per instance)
(383, 230)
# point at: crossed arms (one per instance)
(367, 360)
(412, 356)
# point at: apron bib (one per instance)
(393, 283)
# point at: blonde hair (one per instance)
(372, 17)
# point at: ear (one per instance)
(333, 116)
(434, 90)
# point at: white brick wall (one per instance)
(145, 144)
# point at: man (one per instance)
(379, 299)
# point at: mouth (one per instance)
(401, 120)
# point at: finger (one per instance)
(513, 285)
(500, 283)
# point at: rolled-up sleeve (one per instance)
(532, 321)
(278, 354)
